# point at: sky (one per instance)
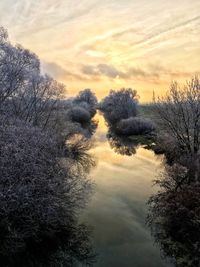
(109, 44)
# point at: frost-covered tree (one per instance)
(80, 114)
(37, 102)
(81, 111)
(119, 105)
(178, 115)
(135, 126)
(16, 67)
(87, 100)
(120, 110)
(24, 92)
(43, 186)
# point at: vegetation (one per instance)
(87, 100)
(41, 192)
(119, 105)
(120, 109)
(135, 126)
(44, 165)
(174, 211)
(44, 143)
(178, 115)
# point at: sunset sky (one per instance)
(109, 44)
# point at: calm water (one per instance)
(117, 210)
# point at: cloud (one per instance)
(113, 41)
(42, 15)
(102, 69)
(112, 72)
(167, 30)
(58, 72)
(152, 72)
(109, 71)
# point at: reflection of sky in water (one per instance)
(117, 210)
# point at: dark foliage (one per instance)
(80, 115)
(134, 126)
(174, 216)
(41, 192)
(87, 99)
(119, 105)
(128, 145)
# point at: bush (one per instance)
(87, 100)
(41, 192)
(135, 126)
(119, 105)
(79, 114)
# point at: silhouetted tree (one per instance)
(178, 115)
(174, 216)
(119, 105)
(24, 92)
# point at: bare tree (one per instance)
(24, 92)
(35, 104)
(178, 115)
(16, 67)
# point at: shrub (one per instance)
(79, 114)
(134, 126)
(119, 105)
(41, 192)
(86, 99)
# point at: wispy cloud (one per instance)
(113, 41)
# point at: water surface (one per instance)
(117, 210)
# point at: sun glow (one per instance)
(110, 44)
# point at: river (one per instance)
(117, 210)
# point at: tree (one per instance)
(119, 105)
(42, 188)
(87, 100)
(174, 217)
(36, 103)
(80, 114)
(44, 171)
(178, 115)
(24, 92)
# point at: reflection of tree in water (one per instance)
(89, 129)
(121, 145)
(174, 217)
(127, 145)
